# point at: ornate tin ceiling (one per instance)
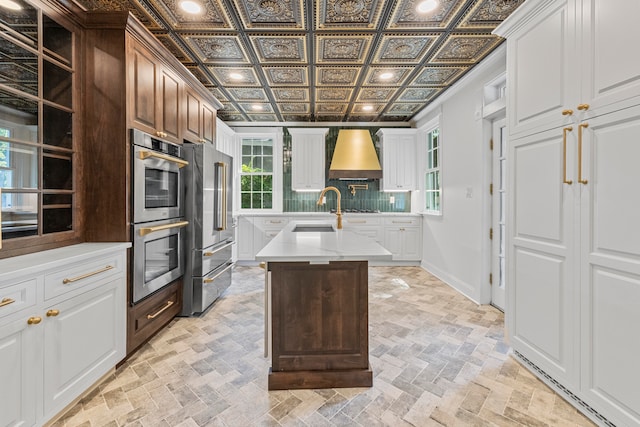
(328, 60)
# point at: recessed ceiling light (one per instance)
(235, 76)
(191, 6)
(427, 6)
(386, 75)
(257, 107)
(367, 108)
(10, 4)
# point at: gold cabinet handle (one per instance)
(34, 320)
(583, 107)
(401, 222)
(580, 127)
(53, 313)
(564, 154)
(148, 230)
(263, 265)
(567, 112)
(211, 279)
(209, 253)
(159, 312)
(84, 276)
(6, 301)
(146, 154)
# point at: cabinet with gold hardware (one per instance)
(573, 280)
(154, 95)
(199, 118)
(398, 158)
(55, 346)
(403, 237)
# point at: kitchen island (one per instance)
(316, 306)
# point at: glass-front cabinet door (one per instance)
(37, 81)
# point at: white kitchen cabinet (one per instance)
(370, 226)
(225, 138)
(254, 232)
(398, 157)
(403, 238)
(573, 239)
(308, 158)
(62, 327)
(245, 238)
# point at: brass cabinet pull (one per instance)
(211, 279)
(583, 107)
(159, 312)
(580, 127)
(84, 276)
(263, 265)
(34, 320)
(148, 230)
(209, 253)
(146, 154)
(6, 301)
(401, 222)
(564, 154)
(53, 313)
(567, 112)
(353, 221)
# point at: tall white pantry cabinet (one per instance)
(573, 274)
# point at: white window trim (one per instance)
(424, 131)
(276, 134)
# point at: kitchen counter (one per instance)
(316, 306)
(321, 246)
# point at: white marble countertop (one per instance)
(44, 260)
(320, 246)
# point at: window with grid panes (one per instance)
(433, 190)
(256, 176)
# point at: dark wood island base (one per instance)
(320, 320)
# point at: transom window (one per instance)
(433, 189)
(256, 176)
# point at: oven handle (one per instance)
(146, 154)
(211, 279)
(148, 230)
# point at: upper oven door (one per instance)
(157, 192)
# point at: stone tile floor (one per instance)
(438, 360)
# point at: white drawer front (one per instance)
(402, 221)
(81, 274)
(14, 298)
(360, 221)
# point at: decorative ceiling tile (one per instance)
(377, 76)
(437, 76)
(322, 108)
(148, 16)
(168, 40)
(297, 108)
(337, 76)
(417, 94)
(407, 109)
(286, 76)
(218, 94)
(280, 48)
(248, 94)
(263, 117)
(367, 109)
(291, 94)
(334, 94)
(404, 48)
(232, 117)
(406, 15)
(487, 14)
(361, 118)
(226, 76)
(228, 107)
(276, 14)
(296, 118)
(256, 108)
(212, 15)
(217, 48)
(465, 48)
(340, 49)
(197, 72)
(354, 14)
(375, 94)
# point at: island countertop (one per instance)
(321, 246)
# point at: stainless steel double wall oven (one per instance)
(158, 213)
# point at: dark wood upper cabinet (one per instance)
(200, 123)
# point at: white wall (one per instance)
(455, 244)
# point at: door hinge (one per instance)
(491, 278)
(491, 189)
(491, 234)
(491, 144)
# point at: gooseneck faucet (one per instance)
(338, 211)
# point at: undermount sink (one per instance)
(311, 228)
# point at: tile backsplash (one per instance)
(371, 199)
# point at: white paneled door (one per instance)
(498, 208)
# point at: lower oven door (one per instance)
(208, 288)
(157, 256)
